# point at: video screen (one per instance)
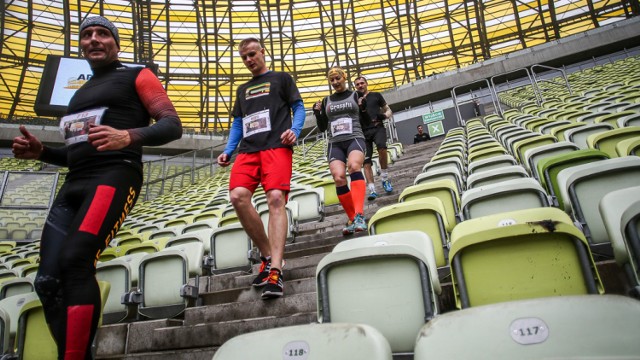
(61, 78)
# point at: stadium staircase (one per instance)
(232, 307)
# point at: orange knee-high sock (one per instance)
(358, 191)
(344, 195)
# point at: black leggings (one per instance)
(84, 217)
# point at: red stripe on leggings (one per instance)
(98, 209)
(79, 319)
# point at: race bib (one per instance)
(256, 123)
(75, 127)
(341, 126)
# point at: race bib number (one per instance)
(75, 127)
(256, 123)
(342, 126)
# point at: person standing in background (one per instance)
(421, 135)
(376, 132)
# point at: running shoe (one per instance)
(275, 287)
(263, 273)
(360, 223)
(349, 229)
(372, 195)
(386, 185)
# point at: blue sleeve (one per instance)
(235, 135)
(299, 115)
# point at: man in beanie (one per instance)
(103, 183)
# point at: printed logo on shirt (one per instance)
(257, 90)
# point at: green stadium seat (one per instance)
(445, 190)
(628, 147)
(425, 214)
(520, 254)
(548, 169)
(607, 141)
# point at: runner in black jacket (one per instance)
(104, 180)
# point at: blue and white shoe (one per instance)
(360, 223)
(372, 195)
(349, 229)
(386, 185)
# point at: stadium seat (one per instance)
(496, 175)
(203, 223)
(291, 210)
(445, 190)
(607, 141)
(534, 155)
(504, 196)
(426, 214)
(338, 341)
(579, 135)
(521, 146)
(565, 327)
(449, 173)
(617, 209)
(519, 255)
(310, 204)
(583, 187)
(559, 131)
(628, 147)
(444, 163)
(230, 246)
(548, 169)
(34, 340)
(122, 275)
(11, 307)
(630, 120)
(17, 286)
(387, 281)
(203, 236)
(164, 280)
(486, 154)
(491, 163)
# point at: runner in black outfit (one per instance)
(104, 180)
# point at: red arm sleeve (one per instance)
(153, 97)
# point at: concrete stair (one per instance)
(230, 306)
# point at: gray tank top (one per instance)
(344, 119)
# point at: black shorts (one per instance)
(341, 150)
(377, 135)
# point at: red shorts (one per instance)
(271, 168)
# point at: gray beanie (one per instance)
(101, 21)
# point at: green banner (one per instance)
(433, 116)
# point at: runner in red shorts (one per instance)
(262, 120)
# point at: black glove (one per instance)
(381, 117)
